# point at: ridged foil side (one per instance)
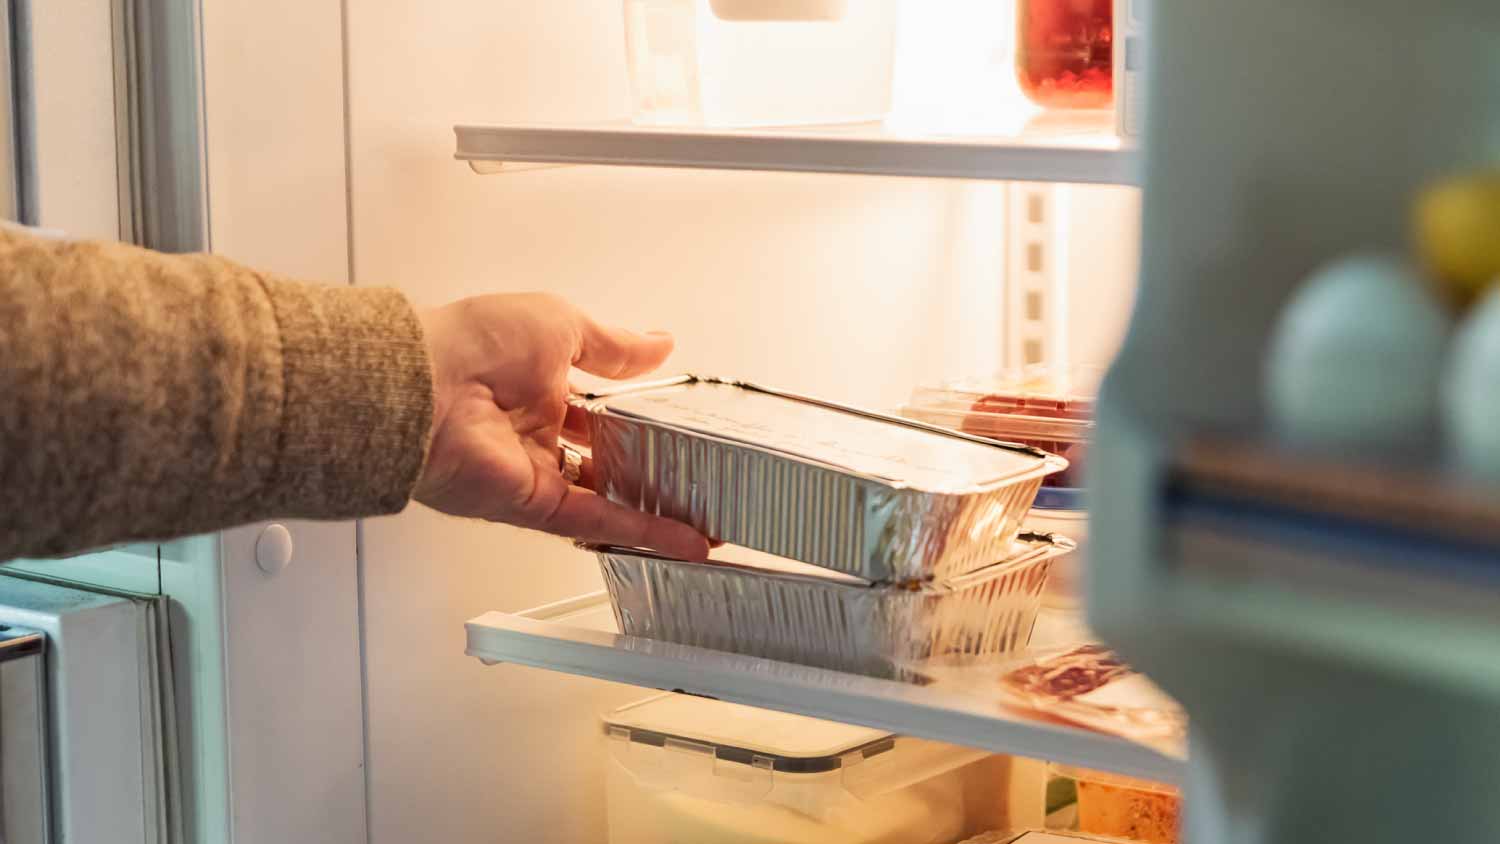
(804, 511)
(882, 631)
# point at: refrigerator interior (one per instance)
(337, 695)
(852, 288)
(338, 166)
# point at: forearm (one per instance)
(144, 396)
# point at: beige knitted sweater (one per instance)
(145, 395)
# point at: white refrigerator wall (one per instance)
(278, 738)
(74, 142)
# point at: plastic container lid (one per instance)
(1116, 780)
(780, 10)
(974, 418)
(1048, 837)
(1015, 406)
(1034, 391)
(786, 743)
(1059, 498)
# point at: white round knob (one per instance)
(273, 549)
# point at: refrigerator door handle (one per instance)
(24, 813)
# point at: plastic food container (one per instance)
(881, 498)
(744, 63)
(1065, 52)
(1059, 510)
(1123, 807)
(687, 769)
(780, 609)
(1028, 410)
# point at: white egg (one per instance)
(1356, 357)
(1471, 390)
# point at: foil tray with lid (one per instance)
(878, 497)
(755, 604)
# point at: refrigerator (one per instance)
(420, 677)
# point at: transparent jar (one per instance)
(1065, 52)
(754, 63)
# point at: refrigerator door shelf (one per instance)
(579, 636)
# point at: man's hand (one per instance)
(500, 369)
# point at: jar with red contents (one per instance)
(1065, 52)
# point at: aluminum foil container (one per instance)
(881, 498)
(753, 604)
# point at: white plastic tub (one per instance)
(746, 63)
(688, 769)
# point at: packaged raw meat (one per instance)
(1090, 686)
(1054, 415)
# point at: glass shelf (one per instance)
(960, 706)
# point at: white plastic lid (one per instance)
(1040, 837)
(780, 10)
(794, 743)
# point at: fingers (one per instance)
(618, 353)
(576, 425)
(586, 473)
(584, 515)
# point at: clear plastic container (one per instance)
(1055, 415)
(1059, 511)
(1127, 808)
(746, 63)
(699, 771)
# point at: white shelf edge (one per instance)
(1028, 159)
(902, 708)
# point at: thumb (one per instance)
(619, 353)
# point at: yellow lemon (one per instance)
(1458, 233)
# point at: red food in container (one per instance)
(1065, 52)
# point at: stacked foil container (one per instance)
(906, 533)
(843, 624)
